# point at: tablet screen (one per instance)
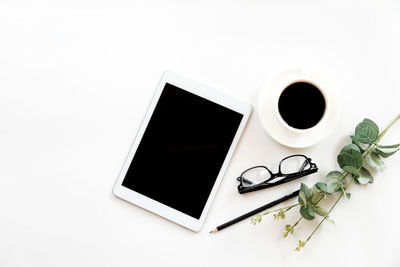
(182, 150)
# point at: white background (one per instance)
(76, 79)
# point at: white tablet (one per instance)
(182, 150)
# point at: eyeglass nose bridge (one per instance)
(274, 175)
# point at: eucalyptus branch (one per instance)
(364, 151)
(366, 154)
(367, 133)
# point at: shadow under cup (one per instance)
(301, 105)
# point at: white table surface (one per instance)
(75, 81)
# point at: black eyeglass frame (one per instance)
(286, 177)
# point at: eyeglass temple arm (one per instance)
(291, 177)
(244, 180)
(303, 166)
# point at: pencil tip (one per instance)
(211, 231)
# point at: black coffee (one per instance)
(301, 105)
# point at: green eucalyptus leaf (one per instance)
(355, 142)
(366, 132)
(385, 152)
(345, 195)
(355, 177)
(316, 195)
(333, 175)
(365, 176)
(345, 159)
(388, 146)
(351, 158)
(374, 161)
(349, 148)
(371, 123)
(308, 212)
(302, 198)
(321, 211)
(305, 189)
(363, 180)
(352, 170)
(333, 185)
(355, 152)
(322, 187)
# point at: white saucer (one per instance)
(281, 133)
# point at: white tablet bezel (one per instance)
(153, 205)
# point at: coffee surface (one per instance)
(301, 105)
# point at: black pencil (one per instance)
(253, 212)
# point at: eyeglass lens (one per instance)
(255, 176)
(294, 164)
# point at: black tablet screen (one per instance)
(182, 150)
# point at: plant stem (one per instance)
(285, 208)
(334, 204)
(308, 238)
(369, 150)
(343, 177)
(316, 228)
(294, 225)
(387, 128)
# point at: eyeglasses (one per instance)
(290, 168)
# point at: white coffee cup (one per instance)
(278, 128)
